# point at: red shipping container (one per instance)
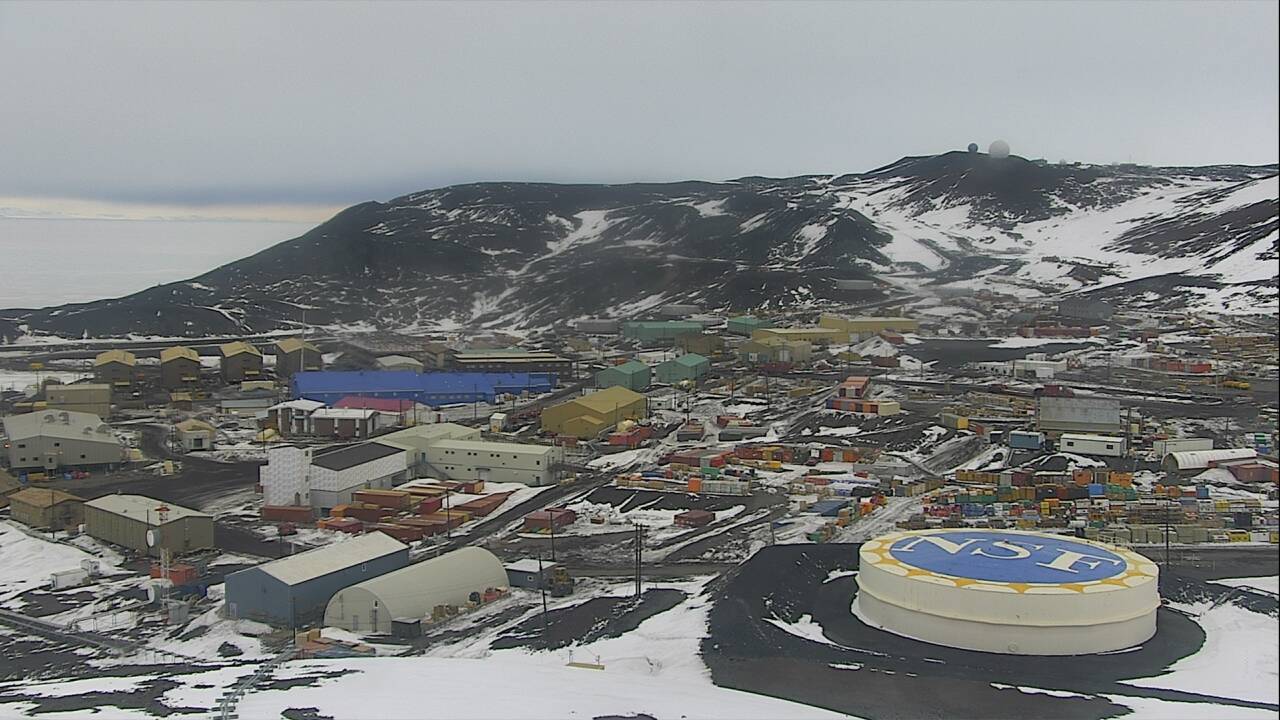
(430, 505)
(403, 533)
(179, 573)
(828, 454)
(287, 513)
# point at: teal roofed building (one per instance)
(689, 366)
(745, 325)
(632, 375)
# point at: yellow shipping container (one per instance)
(1238, 536)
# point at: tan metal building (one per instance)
(125, 519)
(815, 335)
(115, 367)
(195, 435)
(54, 439)
(239, 361)
(46, 508)
(869, 325)
(295, 355)
(81, 397)
(179, 368)
(589, 415)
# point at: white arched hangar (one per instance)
(412, 592)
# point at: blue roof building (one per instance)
(434, 389)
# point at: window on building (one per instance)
(1110, 446)
(21, 445)
(82, 457)
(57, 444)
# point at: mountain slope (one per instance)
(527, 255)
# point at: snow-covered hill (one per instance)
(527, 255)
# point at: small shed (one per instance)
(549, 519)
(46, 508)
(529, 573)
(195, 435)
(695, 518)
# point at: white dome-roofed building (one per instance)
(1006, 591)
(412, 592)
(998, 149)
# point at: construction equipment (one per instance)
(560, 584)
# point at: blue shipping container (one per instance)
(1202, 492)
(1097, 490)
(1025, 440)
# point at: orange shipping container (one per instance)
(695, 485)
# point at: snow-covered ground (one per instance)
(1240, 658)
(1269, 584)
(26, 562)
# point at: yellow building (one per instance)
(815, 335)
(869, 324)
(591, 414)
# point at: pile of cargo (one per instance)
(850, 454)
(312, 644)
(1175, 365)
(710, 486)
(287, 513)
(690, 431)
(1058, 331)
(864, 407)
(953, 421)
(854, 387)
(631, 437)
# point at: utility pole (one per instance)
(553, 540)
(542, 585)
(448, 518)
(1166, 534)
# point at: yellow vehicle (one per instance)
(1236, 384)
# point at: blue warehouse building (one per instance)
(294, 591)
(434, 389)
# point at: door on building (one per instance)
(482, 473)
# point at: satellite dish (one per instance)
(999, 149)
(973, 147)
(151, 538)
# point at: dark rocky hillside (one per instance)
(533, 254)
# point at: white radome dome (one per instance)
(998, 149)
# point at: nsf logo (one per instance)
(1007, 557)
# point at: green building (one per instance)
(689, 366)
(746, 324)
(659, 330)
(632, 375)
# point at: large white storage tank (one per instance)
(413, 591)
(1005, 591)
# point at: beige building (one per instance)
(125, 519)
(179, 368)
(46, 508)
(50, 440)
(869, 325)
(591, 414)
(239, 361)
(115, 367)
(295, 355)
(814, 335)
(772, 349)
(92, 398)
(195, 435)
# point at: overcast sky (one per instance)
(275, 104)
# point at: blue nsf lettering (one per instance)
(1007, 557)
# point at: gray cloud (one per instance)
(337, 103)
